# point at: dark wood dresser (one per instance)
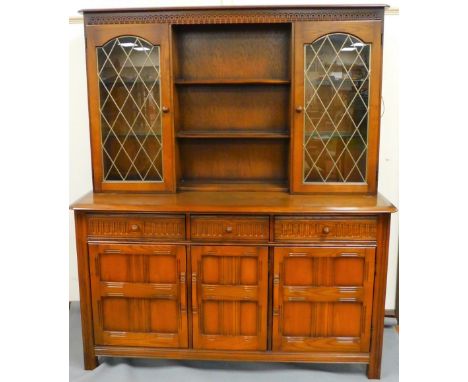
(235, 213)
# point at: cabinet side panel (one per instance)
(90, 359)
(378, 311)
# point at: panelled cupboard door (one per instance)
(130, 107)
(322, 299)
(337, 82)
(139, 295)
(229, 297)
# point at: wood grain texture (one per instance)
(269, 50)
(155, 227)
(227, 228)
(138, 294)
(237, 202)
(261, 108)
(220, 261)
(226, 355)
(380, 286)
(237, 161)
(322, 298)
(229, 297)
(90, 359)
(294, 228)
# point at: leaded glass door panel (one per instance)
(337, 106)
(131, 125)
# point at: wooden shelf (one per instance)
(237, 185)
(247, 81)
(233, 134)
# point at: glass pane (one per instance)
(130, 109)
(336, 105)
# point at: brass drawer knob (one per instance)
(134, 227)
(299, 109)
(228, 229)
(326, 230)
(165, 109)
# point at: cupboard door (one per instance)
(322, 299)
(229, 297)
(139, 295)
(337, 80)
(130, 107)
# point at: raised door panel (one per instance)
(139, 295)
(322, 299)
(229, 297)
(337, 91)
(130, 107)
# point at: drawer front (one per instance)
(156, 227)
(291, 228)
(236, 228)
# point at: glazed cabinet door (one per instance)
(229, 297)
(139, 295)
(322, 299)
(337, 81)
(130, 107)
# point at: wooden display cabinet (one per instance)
(234, 214)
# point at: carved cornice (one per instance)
(235, 16)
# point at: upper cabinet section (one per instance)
(239, 99)
(337, 106)
(131, 125)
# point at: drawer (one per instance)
(309, 228)
(156, 227)
(236, 228)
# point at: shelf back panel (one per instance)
(224, 108)
(237, 161)
(235, 51)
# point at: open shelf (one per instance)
(232, 51)
(232, 92)
(232, 134)
(233, 161)
(235, 185)
(229, 108)
(227, 81)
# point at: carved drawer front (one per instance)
(295, 228)
(237, 228)
(156, 227)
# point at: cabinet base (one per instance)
(218, 355)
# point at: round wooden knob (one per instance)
(134, 227)
(299, 109)
(165, 109)
(326, 230)
(228, 229)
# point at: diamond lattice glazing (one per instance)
(336, 88)
(130, 110)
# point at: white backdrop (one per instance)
(80, 155)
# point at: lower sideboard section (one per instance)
(313, 296)
(245, 298)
